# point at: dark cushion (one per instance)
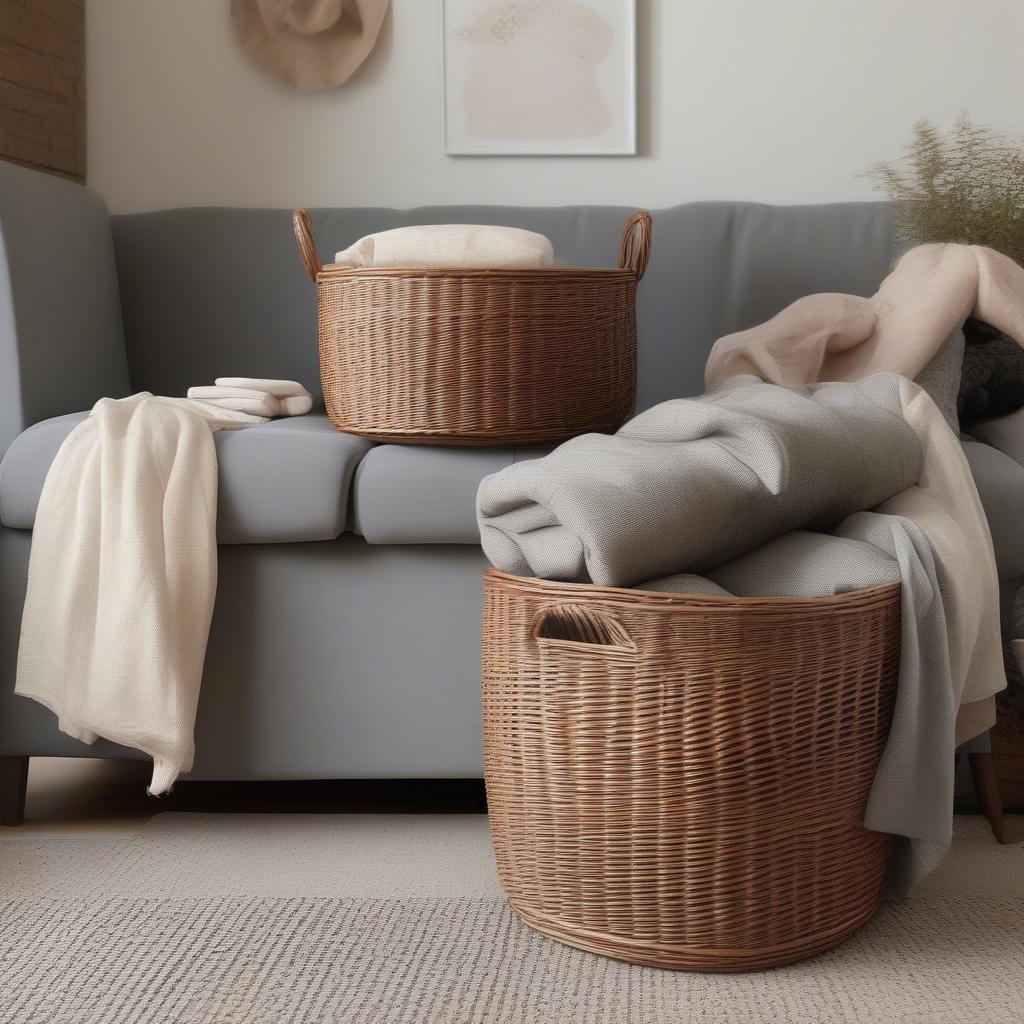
(285, 481)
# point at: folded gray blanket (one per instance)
(912, 794)
(693, 483)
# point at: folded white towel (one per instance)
(296, 405)
(265, 406)
(449, 245)
(255, 396)
(220, 417)
(208, 391)
(277, 388)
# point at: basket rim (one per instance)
(334, 272)
(882, 594)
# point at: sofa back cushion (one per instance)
(61, 340)
(210, 292)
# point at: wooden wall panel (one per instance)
(42, 84)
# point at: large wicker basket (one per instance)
(680, 781)
(478, 357)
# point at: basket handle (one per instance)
(582, 624)
(636, 243)
(302, 225)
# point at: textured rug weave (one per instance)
(135, 932)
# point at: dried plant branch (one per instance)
(966, 185)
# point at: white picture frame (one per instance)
(519, 80)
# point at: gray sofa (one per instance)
(345, 641)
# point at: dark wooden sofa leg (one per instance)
(13, 783)
(986, 785)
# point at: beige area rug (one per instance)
(346, 919)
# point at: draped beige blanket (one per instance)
(832, 337)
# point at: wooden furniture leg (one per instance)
(986, 785)
(13, 782)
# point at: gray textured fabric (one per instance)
(1000, 483)
(691, 484)
(284, 481)
(941, 378)
(685, 583)
(207, 292)
(912, 794)
(414, 495)
(803, 564)
(328, 660)
(61, 339)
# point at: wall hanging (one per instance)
(308, 44)
(532, 77)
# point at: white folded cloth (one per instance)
(449, 245)
(254, 403)
(255, 396)
(277, 388)
(296, 405)
(208, 391)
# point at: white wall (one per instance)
(774, 100)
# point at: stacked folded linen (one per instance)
(255, 396)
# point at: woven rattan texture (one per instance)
(479, 357)
(686, 789)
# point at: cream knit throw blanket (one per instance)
(122, 576)
(832, 337)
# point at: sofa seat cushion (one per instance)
(1000, 483)
(282, 482)
(414, 495)
(419, 495)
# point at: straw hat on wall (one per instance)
(308, 44)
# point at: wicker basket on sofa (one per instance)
(680, 781)
(478, 357)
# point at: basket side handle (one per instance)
(636, 243)
(581, 624)
(302, 225)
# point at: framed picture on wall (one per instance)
(539, 77)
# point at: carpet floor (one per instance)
(346, 919)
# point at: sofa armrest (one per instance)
(61, 337)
